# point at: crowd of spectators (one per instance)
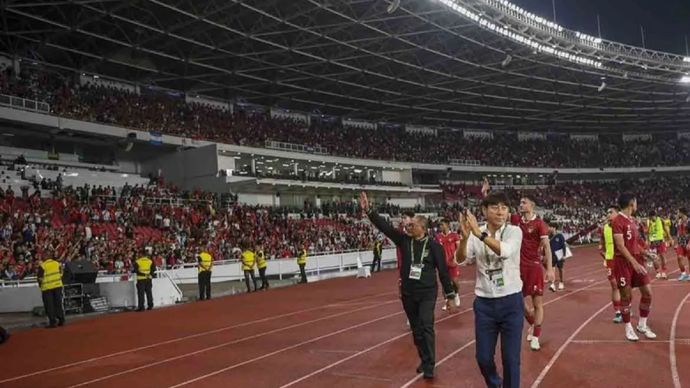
(169, 113)
(579, 205)
(110, 227)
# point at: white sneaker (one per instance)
(552, 287)
(534, 344)
(630, 333)
(561, 286)
(444, 308)
(658, 275)
(646, 331)
(457, 300)
(530, 330)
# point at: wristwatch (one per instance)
(483, 236)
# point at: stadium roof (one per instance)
(431, 62)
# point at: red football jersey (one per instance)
(532, 233)
(626, 226)
(449, 242)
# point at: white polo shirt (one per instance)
(491, 266)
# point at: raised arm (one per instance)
(379, 222)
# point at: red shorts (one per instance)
(609, 270)
(682, 250)
(532, 280)
(626, 275)
(659, 246)
(454, 272)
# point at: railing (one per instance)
(24, 104)
(302, 148)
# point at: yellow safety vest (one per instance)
(260, 260)
(608, 242)
(144, 265)
(302, 258)
(206, 263)
(667, 225)
(656, 230)
(247, 261)
(52, 275)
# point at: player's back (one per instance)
(627, 227)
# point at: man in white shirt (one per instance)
(498, 306)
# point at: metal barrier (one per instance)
(24, 104)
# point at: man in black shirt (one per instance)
(422, 258)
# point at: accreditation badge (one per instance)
(416, 271)
(496, 278)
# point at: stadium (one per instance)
(190, 153)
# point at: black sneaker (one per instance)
(420, 368)
(428, 374)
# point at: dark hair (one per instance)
(553, 224)
(614, 207)
(408, 213)
(683, 211)
(625, 199)
(444, 221)
(531, 198)
(495, 199)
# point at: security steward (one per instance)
(422, 259)
(248, 260)
(261, 265)
(378, 248)
(205, 266)
(146, 271)
(302, 262)
(50, 280)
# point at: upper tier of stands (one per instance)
(170, 114)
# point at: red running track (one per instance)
(350, 332)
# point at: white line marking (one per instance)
(672, 344)
(417, 377)
(235, 341)
(332, 351)
(444, 359)
(174, 340)
(378, 345)
(560, 350)
(362, 377)
(594, 342)
(219, 371)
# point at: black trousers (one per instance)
(420, 312)
(377, 260)
(144, 287)
(204, 285)
(303, 273)
(264, 279)
(247, 275)
(52, 302)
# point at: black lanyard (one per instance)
(424, 251)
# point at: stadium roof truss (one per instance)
(423, 63)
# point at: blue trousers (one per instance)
(493, 317)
